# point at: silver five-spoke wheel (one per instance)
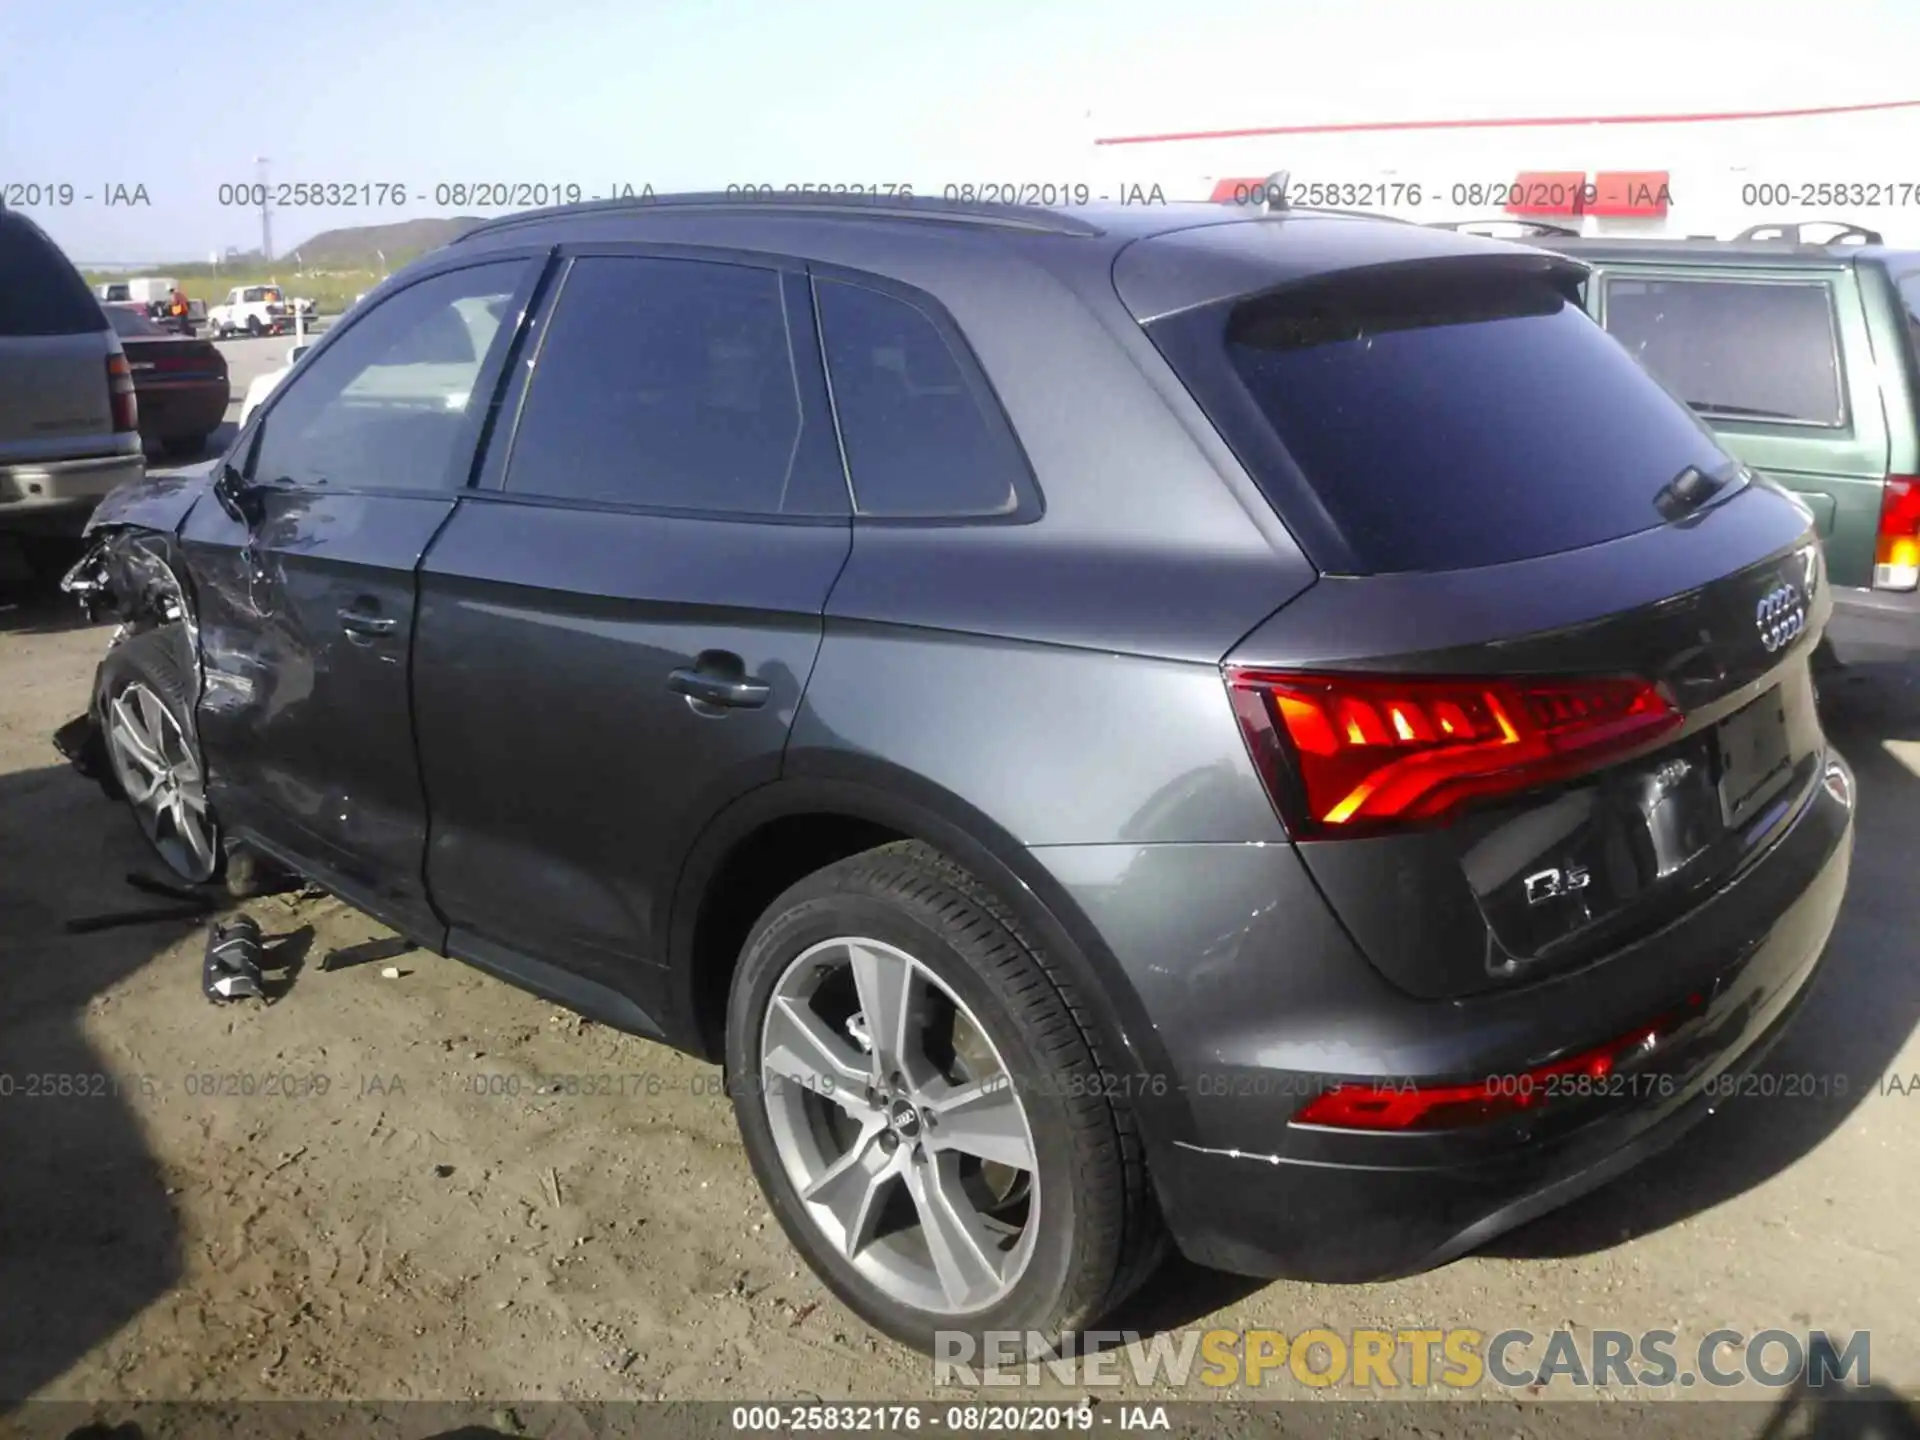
(157, 769)
(899, 1126)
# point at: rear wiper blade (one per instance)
(1718, 407)
(1692, 488)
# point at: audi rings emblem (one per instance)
(1780, 617)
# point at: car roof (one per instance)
(1177, 254)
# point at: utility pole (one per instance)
(266, 213)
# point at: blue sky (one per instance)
(698, 95)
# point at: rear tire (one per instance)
(254, 328)
(1046, 1238)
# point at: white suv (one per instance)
(69, 429)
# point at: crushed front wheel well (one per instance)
(128, 573)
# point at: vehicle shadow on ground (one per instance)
(31, 604)
(38, 614)
(1839, 1050)
(88, 1235)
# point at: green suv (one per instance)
(1805, 360)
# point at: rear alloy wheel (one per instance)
(145, 716)
(254, 327)
(918, 1102)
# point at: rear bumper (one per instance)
(59, 491)
(1870, 626)
(1259, 1017)
(181, 411)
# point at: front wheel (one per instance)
(147, 719)
(923, 1109)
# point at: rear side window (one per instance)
(40, 291)
(1438, 415)
(1735, 349)
(670, 384)
(922, 437)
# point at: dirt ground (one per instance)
(432, 1185)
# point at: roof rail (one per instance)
(1526, 227)
(1847, 234)
(891, 207)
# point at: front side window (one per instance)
(664, 383)
(385, 406)
(1735, 349)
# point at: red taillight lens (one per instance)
(1896, 548)
(126, 413)
(1341, 753)
(1444, 1107)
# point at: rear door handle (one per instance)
(727, 691)
(358, 622)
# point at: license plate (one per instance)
(1754, 757)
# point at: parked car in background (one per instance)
(251, 310)
(1803, 359)
(69, 424)
(964, 667)
(263, 385)
(181, 383)
(159, 298)
(151, 290)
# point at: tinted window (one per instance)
(1910, 297)
(921, 435)
(40, 291)
(1739, 349)
(130, 323)
(663, 383)
(386, 404)
(1444, 415)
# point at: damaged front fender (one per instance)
(127, 574)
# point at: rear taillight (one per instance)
(126, 412)
(1896, 547)
(1343, 754)
(1445, 1107)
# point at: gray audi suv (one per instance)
(1268, 732)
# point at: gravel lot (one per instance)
(383, 1186)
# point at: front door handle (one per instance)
(729, 692)
(358, 622)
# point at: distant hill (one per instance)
(355, 245)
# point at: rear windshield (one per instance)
(1442, 414)
(130, 324)
(40, 291)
